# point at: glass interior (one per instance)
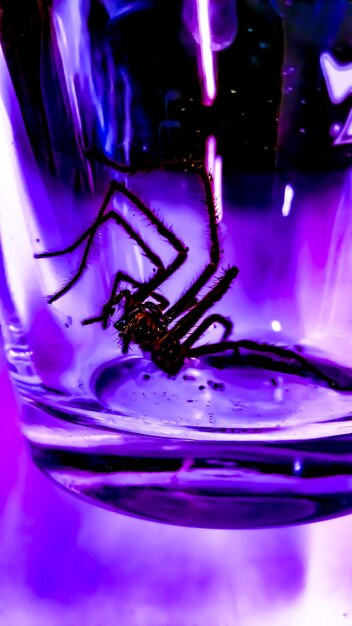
(148, 141)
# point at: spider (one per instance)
(168, 332)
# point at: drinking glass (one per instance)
(176, 276)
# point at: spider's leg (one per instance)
(122, 276)
(128, 306)
(186, 323)
(107, 311)
(216, 318)
(125, 293)
(162, 273)
(111, 215)
(162, 301)
(115, 299)
(280, 351)
(71, 248)
(89, 233)
(188, 297)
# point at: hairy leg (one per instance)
(189, 296)
(216, 318)
(114, 299)
(119, 220)
(186, 323)
(162, 272)
(263, 348)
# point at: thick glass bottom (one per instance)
(279, 460)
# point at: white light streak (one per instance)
(288, 197)
(16, 210)
(213, 164)
(210, 154)
(206, 54)
(218, 187)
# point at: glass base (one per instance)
(272, 473)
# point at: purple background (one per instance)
(66, 563)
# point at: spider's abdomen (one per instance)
(167, 355)
(146, 327)
(147, 330)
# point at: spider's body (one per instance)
(143, 325)
(168, 332)
(146, 327)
